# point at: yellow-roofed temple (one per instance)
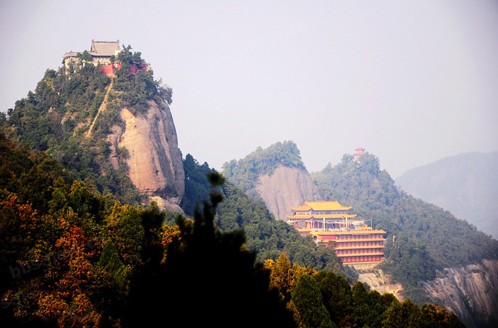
(353, 240)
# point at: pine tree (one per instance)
(308, 300)
(208, 278)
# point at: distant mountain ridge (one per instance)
(465, 184)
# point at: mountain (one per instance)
(469, 291)
(109, 124)
(466, 185)
(264, 234)
(72, 257)
(285, 188)
(424, 242)
(83, 245)
(275, 175)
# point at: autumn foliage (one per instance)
(72, 257)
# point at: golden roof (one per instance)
(321, 206)
(321, 216)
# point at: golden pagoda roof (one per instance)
(321, 216)
(321, 206)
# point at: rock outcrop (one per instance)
(471, 292)
(286, 188)
(153, 159)
(377, 280)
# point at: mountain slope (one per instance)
(466, 185)
(265, 235)
(423, 239)
(469, 291)
(372, 193)
(275, 175)
(285, 188)
(116, 132)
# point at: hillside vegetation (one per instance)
(72, 257)
(81, 248)
(56, 118)
(245, 172)
(265, 235)
(421, 238)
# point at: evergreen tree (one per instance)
(406, 315)
(208, 278)
(308, 300)
(337, 297)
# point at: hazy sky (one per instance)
(410, 81)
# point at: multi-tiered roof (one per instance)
(332, 223)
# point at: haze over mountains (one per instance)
(466, 185)
(115, 140)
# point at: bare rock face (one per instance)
(153, 160)
(471, 292)
(381, 282)
(286, 188)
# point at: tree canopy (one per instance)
(245, 172)
(421, 238)
(265, 235)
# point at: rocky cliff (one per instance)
(153, 159)
(471, 292)
(114, 131)
(285, 188)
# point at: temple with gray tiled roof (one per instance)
(100, 51)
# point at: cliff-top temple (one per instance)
(100, 52)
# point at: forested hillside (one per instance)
(72, 257)
(265, 235)
(276, 175)
(68, 252)
(83, 245)
(421, 238)
(64, 118)
(245, 172)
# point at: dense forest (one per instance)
(421, 238)
(72, 256)
(265, 235)
(81, 249)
